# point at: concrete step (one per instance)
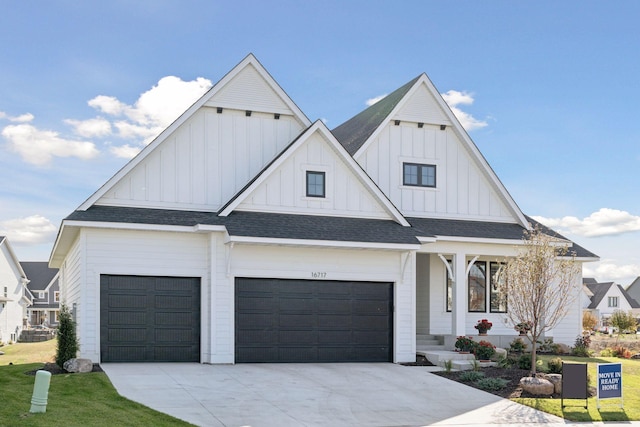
(438, 356)
(429, 339)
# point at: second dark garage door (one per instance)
(281, 320)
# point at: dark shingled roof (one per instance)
(313, 227)
(355, 131)
(38, 273)
(260, 224)
(599, 291)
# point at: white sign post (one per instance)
(609, 382)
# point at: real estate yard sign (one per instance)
(609, 381)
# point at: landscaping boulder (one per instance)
(499, 354)
(563, 348)
(78, 365)
(537, 386)
(636, 356)
(556, 380)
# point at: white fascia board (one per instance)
(321, 243)
(249, 59)
(320, 127)
(206, 228)
(479, 240)
(130, 226)
(15, 259)
(431, 239)
(461, 133)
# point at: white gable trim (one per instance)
(321, 128)
(462, 134)
(16, 262)
(248, 60)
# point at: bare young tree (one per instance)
(539, 285)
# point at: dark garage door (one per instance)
(313, 321)
(149, 319)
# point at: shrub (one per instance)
(492, 383)
(484, 350)
(448, 365)
(517, 346)
(67, 340)
(471, 376)
(589, 321)
(548, 346)
(621, 352)
(555, 365)
(524, 361)
(607, 352)
(504, 362)
(581, 346)
(465, 344)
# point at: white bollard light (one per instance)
(40, 392)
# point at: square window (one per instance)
(418, 175)
(315, 184)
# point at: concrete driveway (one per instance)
(340, 394)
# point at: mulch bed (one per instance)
(57, 370)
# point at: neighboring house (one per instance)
(608, 297)
(14, 296)
(246, 233)
(634, 289)
(45, 290)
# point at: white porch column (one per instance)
(459, 294)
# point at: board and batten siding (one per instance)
(204, 162)
(11, 312)
(462, 190)
(138, 253)
(284, 190)
(334, 264)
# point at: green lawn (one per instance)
(609, 409)
(74, 399)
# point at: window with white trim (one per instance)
(418, 175)
(316, 184)
(56, 296)
(612, 301)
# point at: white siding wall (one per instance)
(571, 326)
(423, 308)
(206, 161)
(285, 189)
(462, 191)
(13, 311)
(334, 264)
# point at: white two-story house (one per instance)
(245, 232)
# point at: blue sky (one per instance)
(547, 90)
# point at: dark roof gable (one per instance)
(39, 274)
(353, 133)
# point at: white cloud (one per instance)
(454, 98)
(108, 105)
(97, 127)
(30, 230)
(38, 147)
(125, 151)
(372, 101)
(605, 222)
(609, 271)
(155, 109)
(23, 118)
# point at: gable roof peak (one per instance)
(353, 133)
